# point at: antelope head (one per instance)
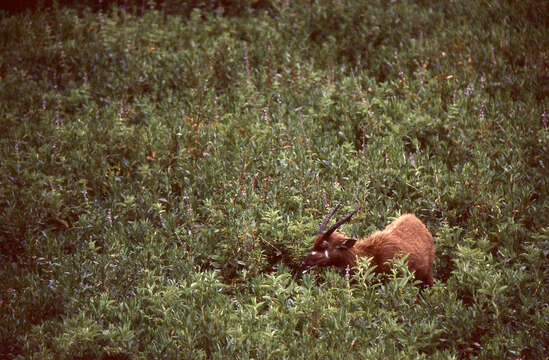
(331, 248)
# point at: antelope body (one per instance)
(405, 235)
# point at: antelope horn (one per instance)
(339, 223)
(327, 218)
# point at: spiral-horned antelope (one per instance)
(405, 235)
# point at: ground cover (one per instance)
(164, 169)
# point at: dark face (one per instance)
(332, 251)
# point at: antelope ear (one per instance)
(347, 243)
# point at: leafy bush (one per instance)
(164, 168)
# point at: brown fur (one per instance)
(405, 235)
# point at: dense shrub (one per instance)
(164, 167)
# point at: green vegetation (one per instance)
(164, 169)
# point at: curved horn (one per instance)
(339, 223)
(327, 218)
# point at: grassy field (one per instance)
(164, 169)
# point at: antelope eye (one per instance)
(323, 245)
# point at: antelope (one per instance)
(406, 235)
